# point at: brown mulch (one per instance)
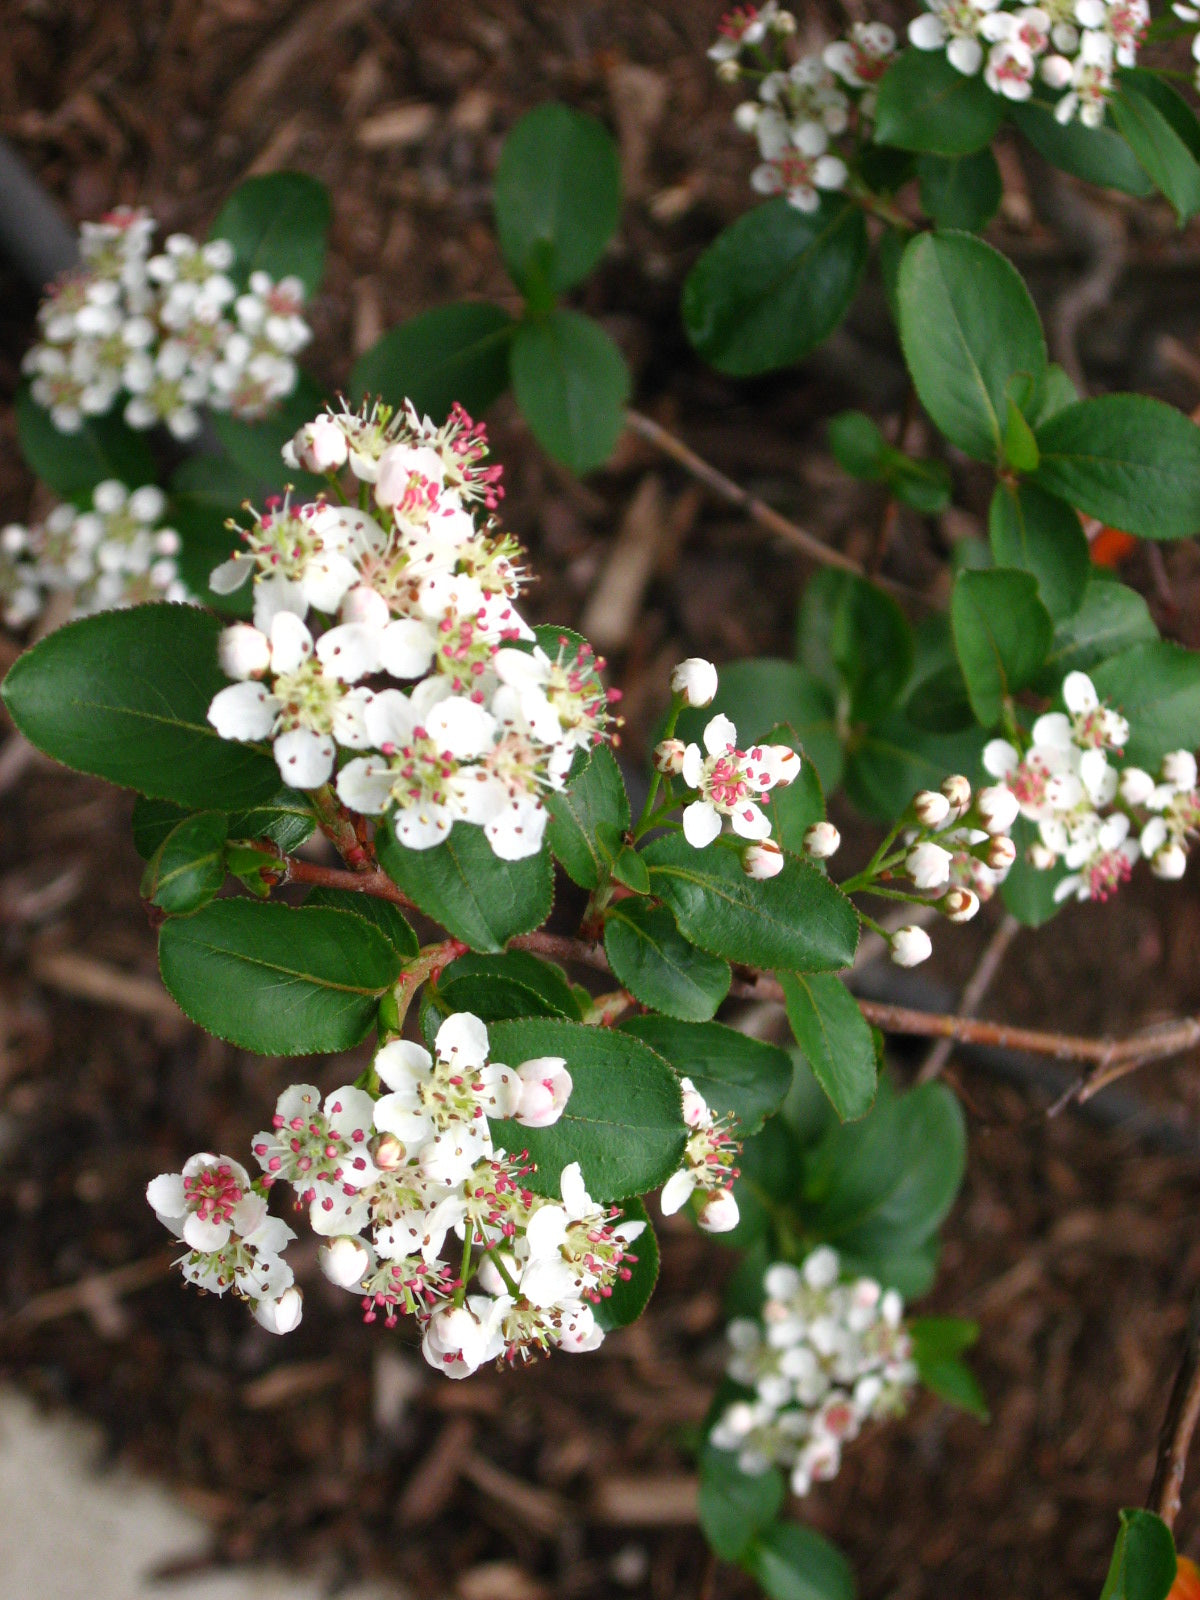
(1076, 1248)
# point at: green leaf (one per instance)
(925, 104)
(206, 492)
(774, 285)
(1097, 155)
(937, 1346)
(277, 224)
(630, 1296)
(279, 980)
(759, 696)
(124, 695)
(650, 956)
(1058, 394)
(1128, 459)
(623, 1122)
(1157, 686)
(1144, 1563)
(256, 447)
(572, 383)
(879, 1189)
(287, 820)
(797, 920)
(462, 885)
(1002, 633)
(734, 1505)
(1020, 444)
(768, 1167)
(854, 635)
(895, 759)
(72, 464)
(796, 806)
(557, 198)
(835, 1038)
(1157, 144)
(629, 868)
(452, 353)
(188, 868)
(515, 984)
(1110, 620)
(1027, 891)
(971, 335)
(596, 796)
(737, 1075)
(380, 914)
(1033, 531)
(863, 452)
(793, 1562)
(960, 191)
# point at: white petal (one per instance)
(1000, 758)
(365, 786)
(304, 758)
(677, 1191)
(719, 735)
(461, 728)
(701, 823)
(421, 827)
(407, 648)
(965, 56)
(390, 720)
(1079, 693)
(748, 821)
(243, 711)
(291, 642)
(350, 652)
(462, 1039)
(230, 575)
(927, 32)
(273, 595)
(517, 831)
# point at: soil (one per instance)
(1075, 1246)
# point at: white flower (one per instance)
(459, 1339)
(695, 681)
(1179, 769)
(910, 946)
(545, 1087)
(729, 784)
(281, 1315)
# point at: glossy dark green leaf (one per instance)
(452, 353)
(277, 224)
(658, 966)
(1002, 634)
(630, 1296)
(1157, 144)
(188, 868)
(280, 980)
(623, 1122)
(1128, 459)
(572, 383)
(737, 1075)
(124, 695)
(206, 493)
(1097, 155)
(1030, 529)
(854, 633)
(793, 1562)
(774, 285)
(514, 984)
(557, 197)
(466, 888)
(895, 758)
(938, 1343)
(835, 1038)
(797, 920)
(1110, 620)
(379, 913)
(960, 191)
(597, 796)
(287, 820)
(72, 464)
(1157, 686)
(1144, 1563)
(734, 1505)
(925, 104)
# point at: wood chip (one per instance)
(396, 126)
(646, 1502)
(432, 1484)
(499, 1580)
(539, 1509)
(296, 1381)
(616, 603)
(84, 978)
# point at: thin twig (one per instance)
(974, 990)
(757, 510)
(1179, 1424)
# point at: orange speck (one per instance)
(1187, 1581)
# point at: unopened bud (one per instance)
(998, 808)
(243, 651)
(911, 946)
(1041, 857)
(695, 1106)
(764, 860)
(960, 905)
(821, 840)
(783, 22)
(668, 756)
(282, 1315)
(719, 1213)
(728, 70)
(1000, 853)
(930, 808)
(1179, 769)
(957, 791)
(928, 865)
(1170, 862)
(388, 1152)
(1136, 786)
(345, 1261)
(545, 1087)
(695, 681)
(320, 446)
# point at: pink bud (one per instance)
(321, 446)
(282, 1315)
(930, 808)
(911, 946)
(763, 860)
(668, 756)
(545, 1087)
(960, 905)
(821, 840)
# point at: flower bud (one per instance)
(821, 840)
(695, 681)
(668, 756)
(764, 860)
(545, 1086)
(320, 446)
(695, 1106)
(911, 946)
(1041, 857)
(388, 1153)
(957, 791)
(928, 865)
(745, 118)
(1136, 786)
(719, 1213)
(783, 22)
(1170, 862)
(1179, 769)
(282, 1315)
(1000, 853)
(998, 808)
(960, 905)
(345, 1261)
(930, 808)
(243, 651)
(728, 71)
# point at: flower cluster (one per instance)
(410, 1167)
(826, 1357)
(801, 104)
(169, 332)
(423, 589)
(117, 554)
(1094, 817)
(1072, 45)
(708, 1168)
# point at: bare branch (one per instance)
(974, 990)
(1179, 1424)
